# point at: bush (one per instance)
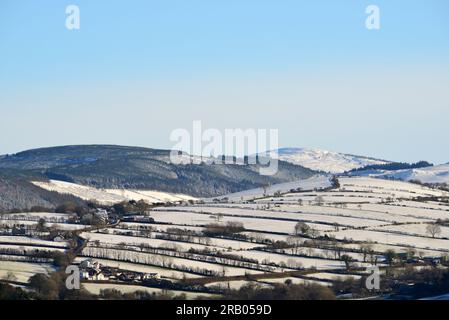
(226, 230)
(281, 292)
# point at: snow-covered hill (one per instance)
(110, 196)
(435, 174)
(310, 184)
(323, 160)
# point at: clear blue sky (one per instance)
(136, 70)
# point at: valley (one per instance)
(323, 230)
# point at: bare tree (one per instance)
(41, 225)
(336, 248)
(224, 271)
(314, 233)
(348, 260)
(410, 253)
(433, 229)
(10, 276)
(319, 200)
(301, 228)
(390, 255)
(265, 187)
(295, 242)
(366, 249)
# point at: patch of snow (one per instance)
(315, 182)
(110, 196)
(322, 160)
(434, 174)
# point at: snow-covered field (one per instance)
(255, 224)
(22, 271)
(95, 288)
(58, 226)
(322, 160)
(333, 276)
(24, 248)
(315, 182)
(392, 238)
(414, 229)
(236, 284)
(110, 196)
(394, 187)
(163, 272)
(291, 261)
(434, 174)
(162, 260)
(268, 214)
(137, 241)
(362, 211)
(31, 241)
(295, 281)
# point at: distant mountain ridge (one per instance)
(429, 174)
(124, 167)
(326, 161)
(115, 167)
(392, 166)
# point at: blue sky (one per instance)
(136, 70)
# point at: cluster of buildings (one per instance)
(92, 270)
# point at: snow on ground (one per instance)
(392, 238)
(149, 196)
(295, 281)
(149, 259)
(67, 226)
(249, 223)
(95, 288)
(363, 214)
(396, 248)
(156, 227)
(216, 243)
(80, 191)
(425, 205)
(165, 273)
(29, 249)
(434, 174)
(235, 284)
(392, 186)
(11, 223)
(268, 236)
(31, 241)
(58, 226)
(308, 217)
(23, 271)
(322, 160)
(292, 261)
(414, 229)
(333, 276)
(109, 196)
(319, 181)
(38, 215)
(412, 212)
(136, 241)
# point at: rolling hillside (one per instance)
(326, 161)
(433, 174)
(121, 167)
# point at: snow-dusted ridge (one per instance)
(323, 160)
(111, 196)
(434, 174)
